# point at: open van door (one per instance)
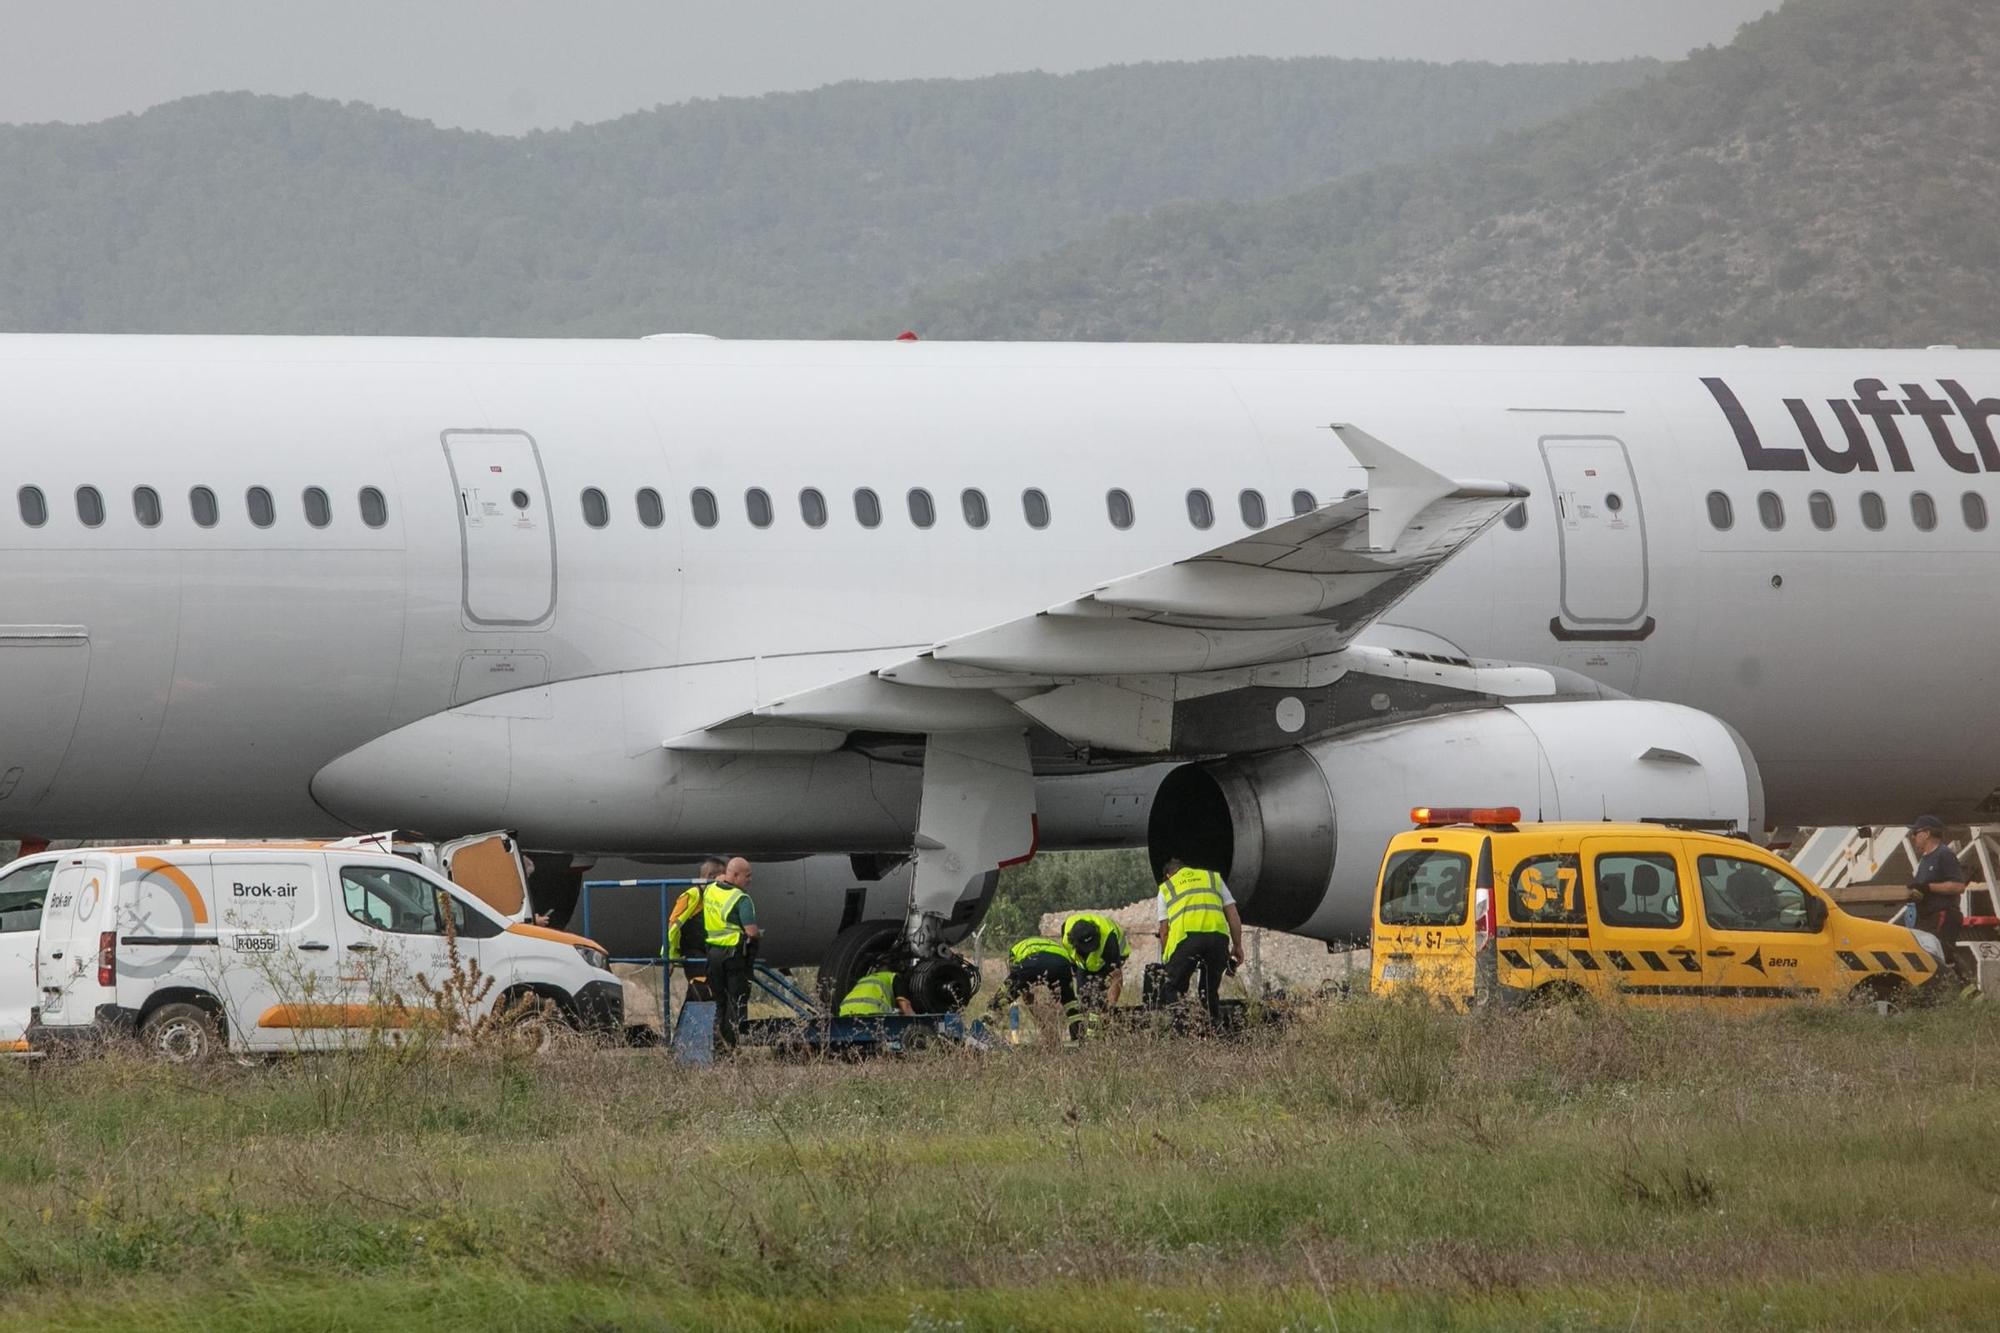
(23, 890)
(488, 866)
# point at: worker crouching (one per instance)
(1039, 961)
(1098, 944)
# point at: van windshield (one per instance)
(1426, 887)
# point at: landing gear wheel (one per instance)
(181, 1034)
(853, 952)
(943, 985)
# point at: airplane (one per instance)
(955, 602)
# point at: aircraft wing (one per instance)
(1108, 668)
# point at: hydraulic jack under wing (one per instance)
(1279, 607)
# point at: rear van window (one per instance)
(1426, 887)
(1546, 889)
(22, 894)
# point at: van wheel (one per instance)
(1558, 995)
(1881, 990)
(181, 1034)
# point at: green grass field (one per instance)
(1374, 1166)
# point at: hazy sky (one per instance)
(509, 66)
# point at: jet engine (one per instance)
(1299, 833)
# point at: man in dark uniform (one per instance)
(729, 924)
(1936, 887)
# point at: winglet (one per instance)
(1399, 487)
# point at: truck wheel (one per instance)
(853, 951)
(181, 1034)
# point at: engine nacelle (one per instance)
(1299, 833)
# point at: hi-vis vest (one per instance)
(685, 906)
(716, 901)
(1107, 931)
(1037, 944)
(872, 996)
(1193, 899)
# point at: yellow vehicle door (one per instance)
(1767, 935)
(1424, 935)
(1646, 936)
(1542, 925)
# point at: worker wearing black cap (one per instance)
(1936, 886)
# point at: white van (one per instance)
(280, 947)
(23, 886)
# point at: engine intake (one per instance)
(1299, 833)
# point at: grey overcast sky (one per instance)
(510, 66)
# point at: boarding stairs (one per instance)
(1867, 870)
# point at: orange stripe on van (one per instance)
(323, 1016)
(559, 936)
(17, 1047)
(174, 875)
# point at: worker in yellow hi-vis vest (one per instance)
(1199, 929)
(729, 921)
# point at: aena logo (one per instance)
(1874, 416)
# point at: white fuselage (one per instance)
(186, 679)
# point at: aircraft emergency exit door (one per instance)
(1601, 526)
(506, 536)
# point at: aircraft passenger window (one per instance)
(1201, 513)
(1721, 513)
(1874, 516)
(258, 501)
(1820, 505)
(812, 508)
(596, 509)
(374, 507)
(319, 509)
(1923, 511)
(1974, 505)
(867, 508)
(1119, 506)
(89, 506)
(652, 511)
(1251, 503)
(922, 512)
(1517, 517)
(974, 504)
(201, 503)
(1035, 508)
(702, 501)
(146, 506)
(34, 509)
(1303, 503)
(1639, 889)
(757, 504)
(1771, 510)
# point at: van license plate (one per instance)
(51, 1002)
(256, 944)
(1399, 971)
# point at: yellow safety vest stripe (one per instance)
(872, 996)
(716, 901)
(684, 907)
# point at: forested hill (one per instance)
(791, 214)
(1831, 178)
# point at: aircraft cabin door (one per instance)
(1601, 526)
(506, 532)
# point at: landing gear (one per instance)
(975, 816)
